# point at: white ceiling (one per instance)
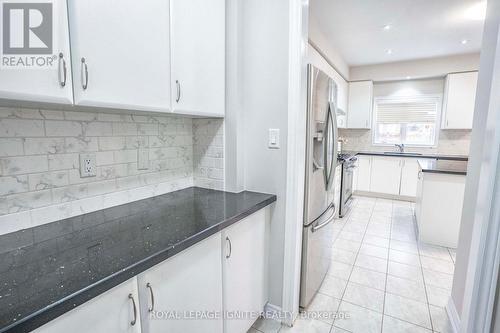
(419, 28)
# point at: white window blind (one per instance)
(410, 120)
(397, 111)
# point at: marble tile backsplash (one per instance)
(39, 161)
(450, 142)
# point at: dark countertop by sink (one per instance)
(443, 166)
(48, 270)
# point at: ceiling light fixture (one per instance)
(408, 77)
(388, 51)
(464, 41)
(387, 27)
(476, 12)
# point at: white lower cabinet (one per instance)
(385, 175)
(362, 174)
(409, 177)
(187, 292)
(111, 312)
(188, 282)
(245, 270)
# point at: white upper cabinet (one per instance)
(198, 56)
(189, 281)
(360, 104)
(121, 53)
(50, 85)
(385, 175)
(459, 100)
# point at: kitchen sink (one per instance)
(399, 153)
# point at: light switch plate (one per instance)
(87, 165)
(142, 159)
(274, 138)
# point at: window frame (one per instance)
(374, 129)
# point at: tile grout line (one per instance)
(387, 268)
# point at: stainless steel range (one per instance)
(346, 189)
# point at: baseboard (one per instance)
(384, 196)
(274, 312)
(451, 310)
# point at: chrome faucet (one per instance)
(401, 147)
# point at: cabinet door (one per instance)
(459, 100)
(111, 312)
(189, 281)
(362, 173)
(198, 56)
(121, 53)
(386, 175)
(409, 177)
(245, 269)
(418, 199)
(360, 104)
(44, 85)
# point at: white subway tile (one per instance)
(39, 146)
(21, 128)
(52, 114)
(46, 180)
(97, 129)
(80, 116)
(13, 184)
(112, 143)
(63, 128)
(124, 129)
(63, 161)
(104, 158)
(24, 164)
(148, 129)
(81, 144)
(11, 147)
(125, 156)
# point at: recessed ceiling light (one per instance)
(476, 12)
(408, 77)
(388, 51)
(387, 27)
(464, 41)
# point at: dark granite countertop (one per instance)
(48, 270)
(443, 166)
(410, 154)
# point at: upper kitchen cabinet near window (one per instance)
(121, 54)
(198, 57)
(360, 104)
(459, 100)
(42, 82)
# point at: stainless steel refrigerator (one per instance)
(321, 161)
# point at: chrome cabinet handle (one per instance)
(85, 77)
(330, 219)
(178, 91)
(131, 297)
(230, 248)
(62, 81)
(148, 285)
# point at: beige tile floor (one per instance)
(380, 276)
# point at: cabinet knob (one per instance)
(62, 64)
(228, 241)
(131, 297)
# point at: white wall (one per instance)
(416, 69)
(258, 95)
(483, 163)
(319, 40)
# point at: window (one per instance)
(408, 120)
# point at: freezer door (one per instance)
(316, 255)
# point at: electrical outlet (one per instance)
(142, 159)
(87, 165)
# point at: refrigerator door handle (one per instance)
(330, 136)
(330, 219)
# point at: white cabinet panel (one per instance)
(198, 56)
(385, 175)
(360, 104)
(409, 177)
(245, 269)
(125, 47)
(44, 85)
(111, 312)
(459, 100)
(362, 174)
(189, 281)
